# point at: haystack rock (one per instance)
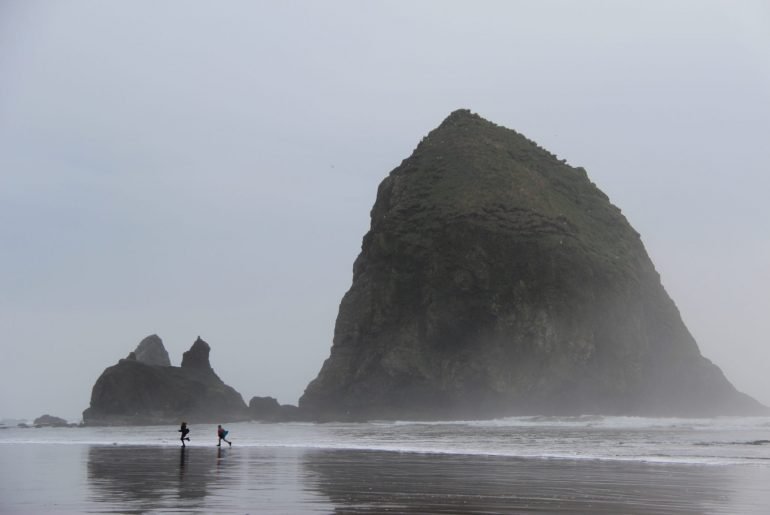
(140, 390)
(498, 280)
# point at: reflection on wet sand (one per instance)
(370, 481)
(199, 480)
(144, 478)
(295, 480)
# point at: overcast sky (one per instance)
(207, 168)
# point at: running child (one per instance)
(184, 432)
(222, 434)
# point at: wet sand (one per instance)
(134, 479)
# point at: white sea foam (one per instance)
(607, 422)
(728, 440)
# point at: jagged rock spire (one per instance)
(198, 356)
(152, 352)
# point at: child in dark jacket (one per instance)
(184, 432)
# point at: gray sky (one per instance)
(207, 168)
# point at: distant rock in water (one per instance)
(267, 409)
(139, 392)
(498, 280)
(13, 422)
(49, 421)
(152, 352)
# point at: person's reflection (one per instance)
(181, 463)
(148, 477)
(221, 454)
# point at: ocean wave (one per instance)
(602, 421)
(724, 441)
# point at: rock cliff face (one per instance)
(496, 280)
(152, 352)
(142, 392)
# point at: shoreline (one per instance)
(734, 441)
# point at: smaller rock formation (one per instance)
(143, 390)
(49, 421)
(263, 407)
(267, 409)
(152, 352)
(198, 356)
(11, 422)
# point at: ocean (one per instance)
(587, 464)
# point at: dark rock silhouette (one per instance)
(152, 352)
(267, 409)
(198, 356)
(264, 407)
(49, 421)
(135, 392)
(497, 280)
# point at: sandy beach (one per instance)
(134, 479)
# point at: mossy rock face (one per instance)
(498, 280)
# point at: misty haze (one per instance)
(490, 228)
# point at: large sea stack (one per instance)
(145, 389)
(498, 280)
